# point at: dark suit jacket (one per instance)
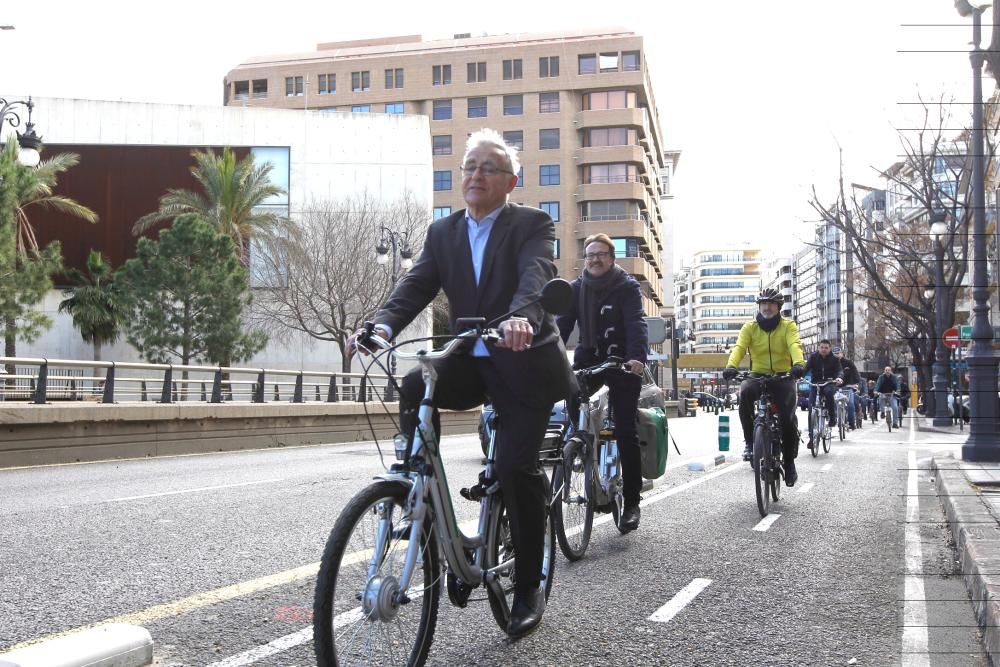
(516, 265)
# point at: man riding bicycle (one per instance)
(888, 385)
(852, 387)
(824, 367)
(607, 306)
(773, 344)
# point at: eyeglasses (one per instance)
(486, 169)
(596, 255)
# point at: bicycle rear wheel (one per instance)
(500, 549)
(572, 504)
(358, 618)
(761, 467)
(888, 417)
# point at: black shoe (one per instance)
(526, 612)
(630, 517)
(748, 452)
(790, 475)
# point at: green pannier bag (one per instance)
(652, 432)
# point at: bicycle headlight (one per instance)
(401, 444)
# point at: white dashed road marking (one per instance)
(826, 467)
(914, 606)
(806, 488)
(679, 601)
(766, 522)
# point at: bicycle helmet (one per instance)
(770, 294)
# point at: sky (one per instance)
(763, 99)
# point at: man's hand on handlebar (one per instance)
(730, 372)
(634, 366)
(517, 334)
(839, 381)
(354, 347)
(798, 371)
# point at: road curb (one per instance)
(111, 645)
(977, 537)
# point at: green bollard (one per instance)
(723, 433)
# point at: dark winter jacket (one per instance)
(621, 325)
(823, 368)
(886, 383)
(851, 375)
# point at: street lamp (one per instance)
(940, 383)
(28, 141)
(983, 443)
(393, 246)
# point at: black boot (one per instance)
(630, 517)
(748, 452)
(790, 474)
(526, 612)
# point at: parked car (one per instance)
(963, 402)
(706, 400)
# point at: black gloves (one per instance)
(730, 372)
(798, 371)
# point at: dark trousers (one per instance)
(784, 393)
(623, 397)
(829, 391)
(463, 383)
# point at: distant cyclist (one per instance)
(773, 344)
(824, 367)
(852, 387)
(887, 384)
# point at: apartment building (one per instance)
(778, 273)
(578, 105)
(806, 310)
(683, 308)
(725, 283)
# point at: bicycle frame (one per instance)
(424, 473)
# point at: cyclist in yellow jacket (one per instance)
(774, 347)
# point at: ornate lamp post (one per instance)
(940, 383)
(395, 247)
(983, 443)
(28, 140)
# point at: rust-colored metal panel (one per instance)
(121, 184)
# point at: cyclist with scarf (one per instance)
(607, 306)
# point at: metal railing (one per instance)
(39, 380)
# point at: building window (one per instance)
(627, 247)
(259, 88)
(361, 81)
(241, 90)
(630, 61)
(514, 138)
(555, 249)
(327, 84)
(552, 208)
(548, 174)
(293, 86)
(475, 72)
(513, 105)
(442, 110)
(587, 63)
(609, 99)
(548, 139)
(609, 62)
(441, 75)
(513, 69)
(477, 107)
(441, 144)
(361, 108)
(442, 211)
(442, 181)
(520, 177)
(609, 136)
(610, 209)
(548, 102)
(394, 107)
(548, 66)
(610, 173)
(394, 78)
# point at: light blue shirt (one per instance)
(479, 235)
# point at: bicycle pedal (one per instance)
(458, 591)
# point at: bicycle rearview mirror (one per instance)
(557, 296)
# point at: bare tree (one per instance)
(322, 279)
(894, 253)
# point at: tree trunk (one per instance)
(10, 347)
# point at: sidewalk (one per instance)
(970, 495)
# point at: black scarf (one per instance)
(592, 292)
(768, 324)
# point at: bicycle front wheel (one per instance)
(842, 424)
(499, 550)
(761, 467)
(815, 432)
(888, 418)
(774, 479)
(360, 614)
(572, 505)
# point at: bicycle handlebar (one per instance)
(488, 335)
(747, 375)
(821, 384)
(609, 363)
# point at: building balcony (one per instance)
(627, 189)
(609, 154)
(646, 273)
(633, 117)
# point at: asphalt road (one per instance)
(215, 555)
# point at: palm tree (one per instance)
(233, 192)
(24, 187)
(95, 303)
